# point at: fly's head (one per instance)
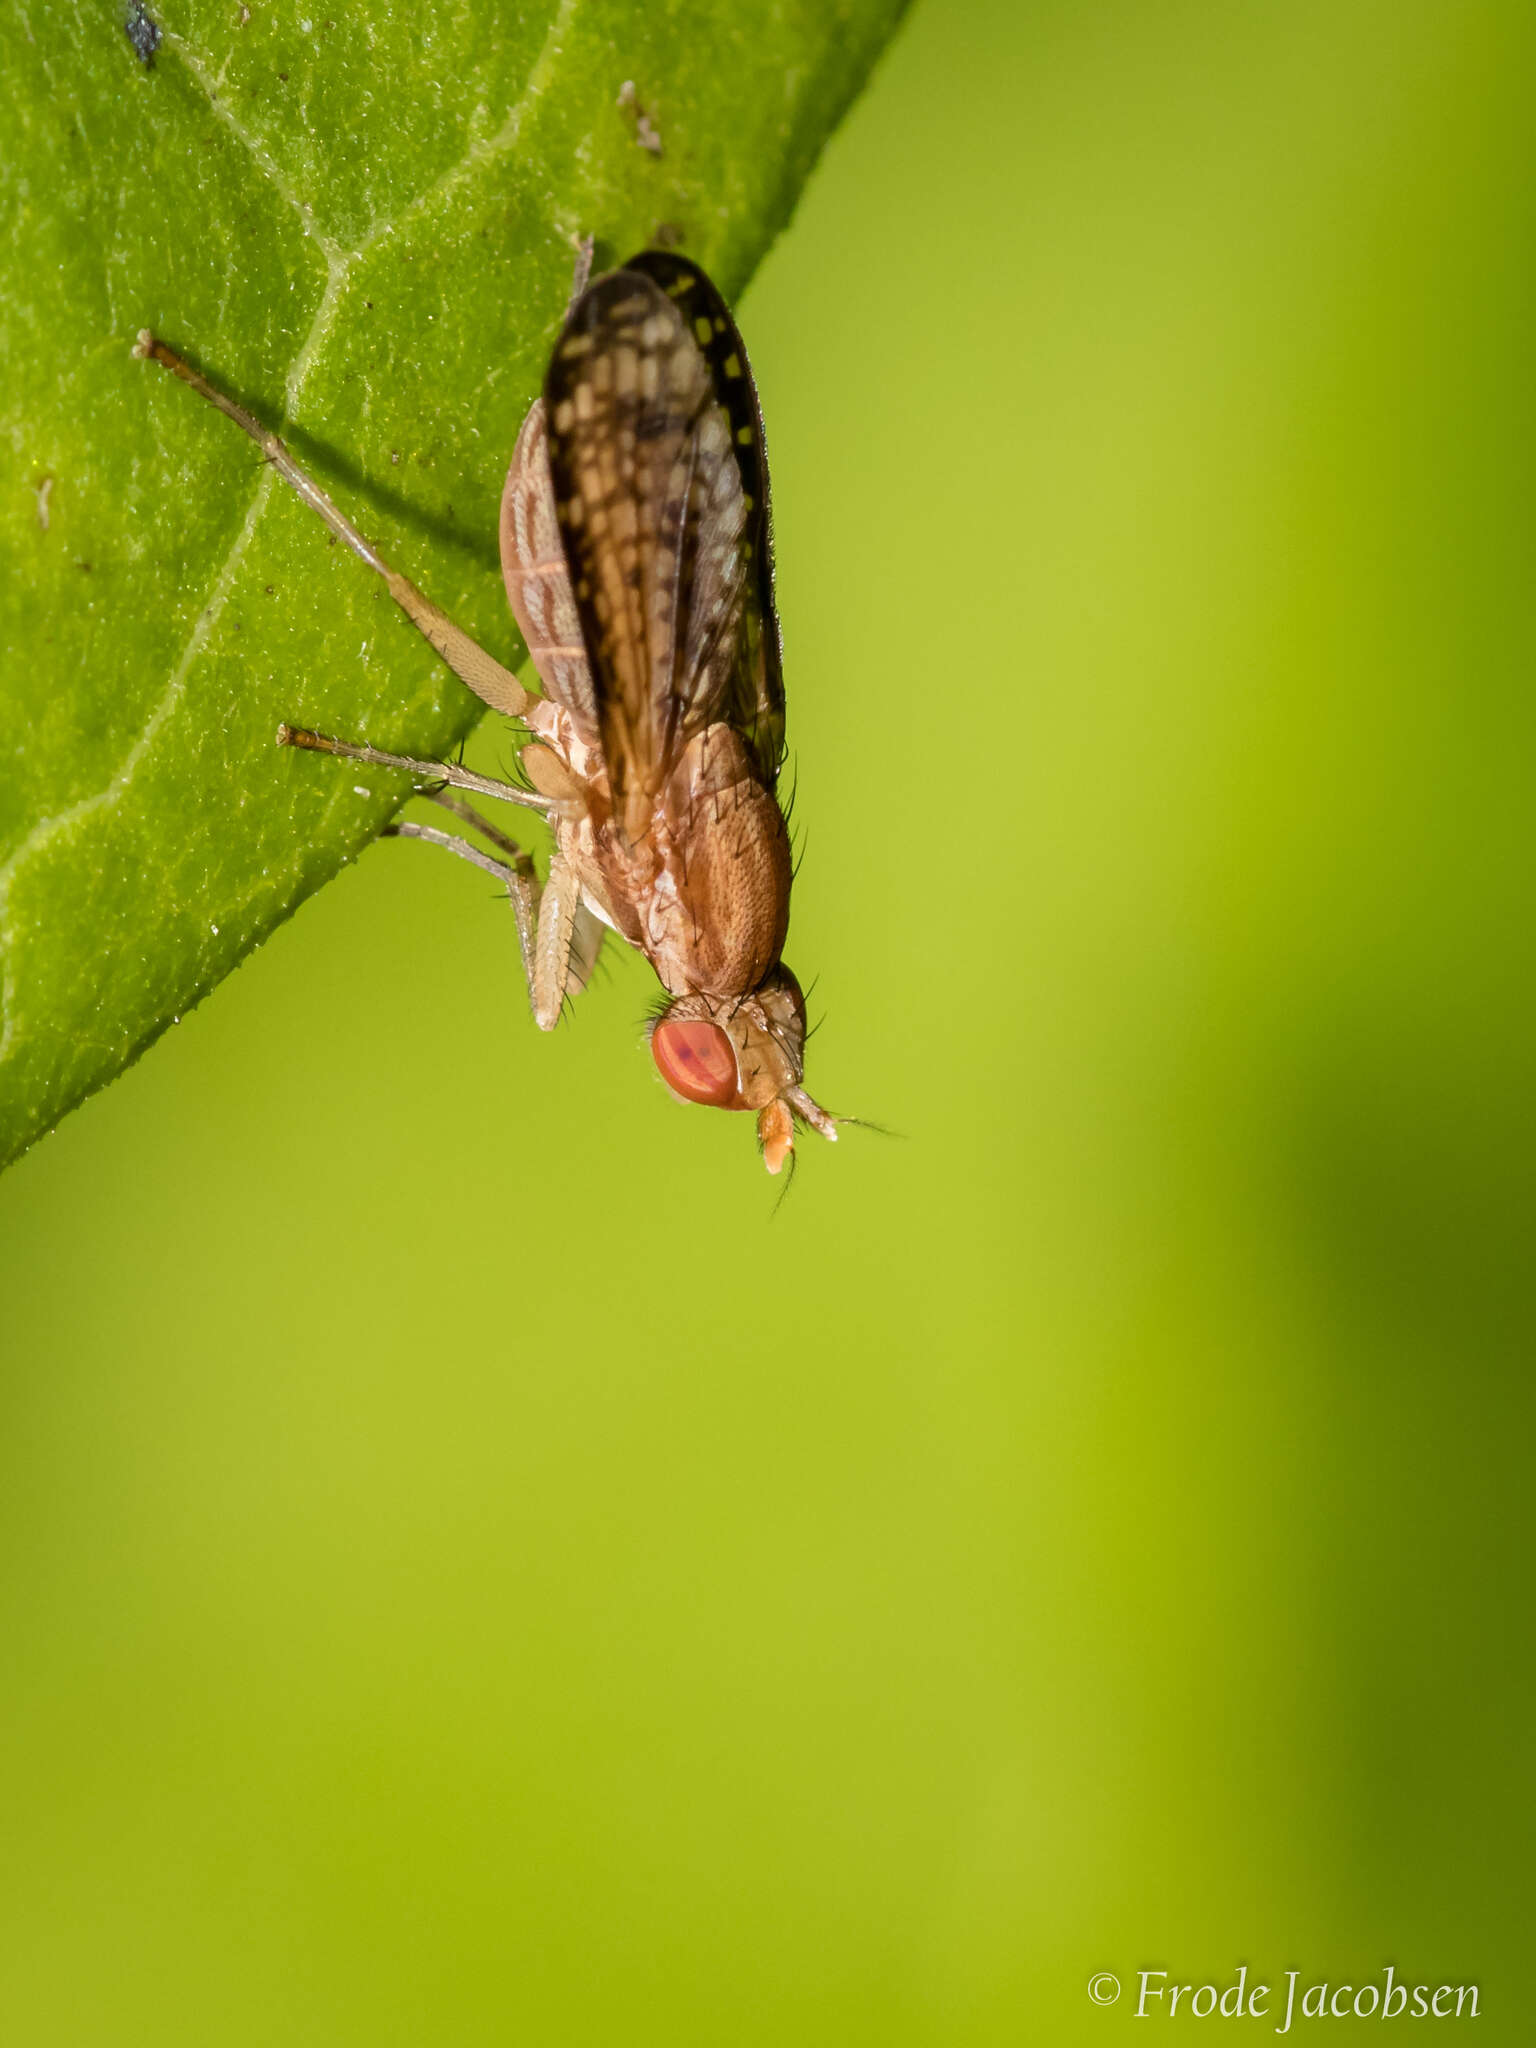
(743, 1052)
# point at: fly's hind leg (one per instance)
(492, 683)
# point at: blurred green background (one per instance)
(468, 1573)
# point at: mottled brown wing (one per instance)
(538, 578)
(756, 699)
(653, 518)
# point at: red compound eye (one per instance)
(696, 1061)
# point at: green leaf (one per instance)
(362, 224)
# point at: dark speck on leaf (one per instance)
(645, 127)
(143, 31)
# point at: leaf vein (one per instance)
(338, 263)
(262, 157)
(47, 829)
(485, 149)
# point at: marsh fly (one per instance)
(637, 552)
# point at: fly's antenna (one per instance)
(810, 1111)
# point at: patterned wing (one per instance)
(538, 579)
(756, 704)
(654, 520)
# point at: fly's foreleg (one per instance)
(546, 915)
(517, 855)
(522, 878)
(522, 887)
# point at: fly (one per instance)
(636, 546)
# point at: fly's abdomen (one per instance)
(723, 928)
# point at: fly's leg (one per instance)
(522, 881)
(485, 675)
(552, 950)
(434, 835)
(584, 938)
(587, 935)
(522, 887)
(429, 771)
(546, 918)
(518, 856)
